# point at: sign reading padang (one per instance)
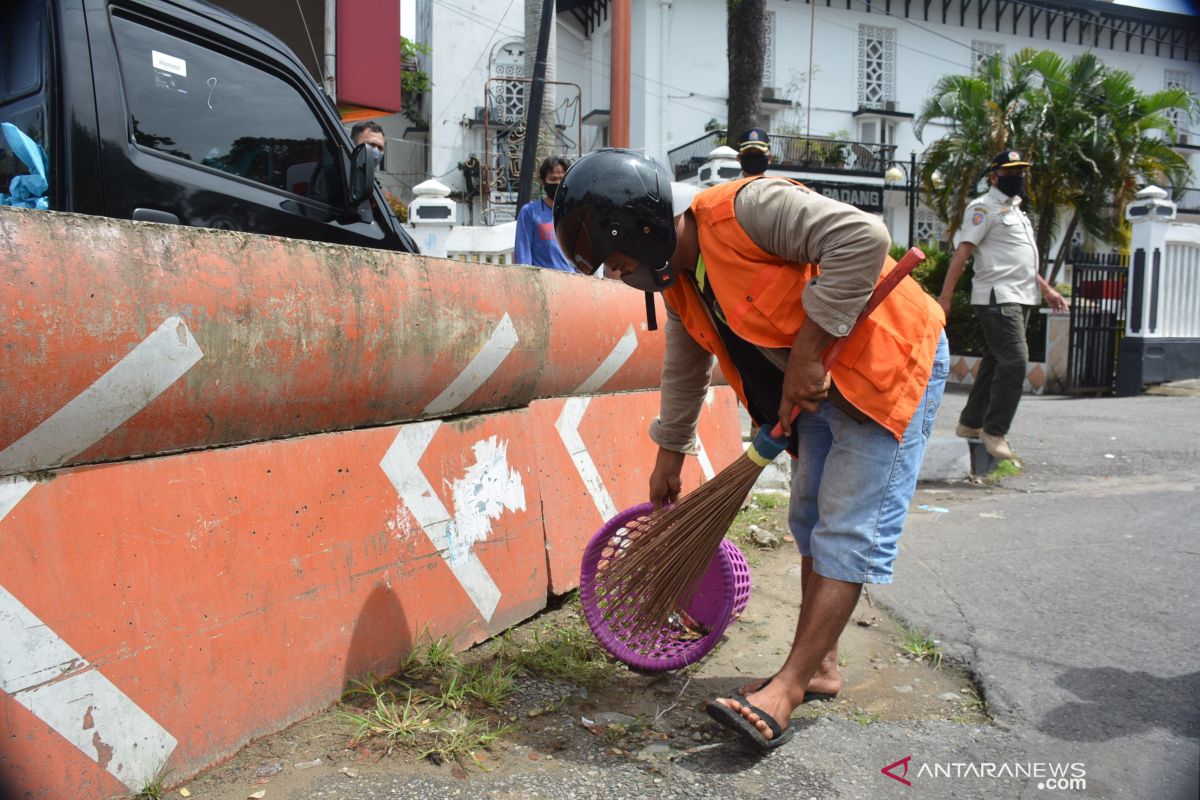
(860, 195)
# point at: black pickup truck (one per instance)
(178, 111)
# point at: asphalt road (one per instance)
(1066, 590)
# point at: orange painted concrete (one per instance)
(296, 337)
(614, 430)
(229, 592)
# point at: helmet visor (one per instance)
(583, 251)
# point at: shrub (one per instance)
(962, 329)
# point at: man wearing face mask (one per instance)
(370, 134)
(754, 152)
(1005, 289)
(535, 223)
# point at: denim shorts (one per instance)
(854, 482)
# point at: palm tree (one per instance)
(1062, 141)
(1129, 153)
(984, 112)
(1095, 140)
(746, 36)
(1091, 135)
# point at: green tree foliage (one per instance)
(1093, 138)
(414, 83)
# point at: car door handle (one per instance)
(154, 215)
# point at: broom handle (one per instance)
(903, 267)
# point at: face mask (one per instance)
(377, 152)
(754, 163)
(550, 189)
(1011, 185)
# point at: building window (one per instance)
(876, 66)
(508, 96)
(769, 50)
(1178, 79)
(928, 228)
(877, 130)
(982, 51)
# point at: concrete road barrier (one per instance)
(210, 520)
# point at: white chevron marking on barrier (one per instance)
(485, 362)
(37, 667)
(613, 362)
(11, 492)
(567, 426)
(706, 466)
(47, 676)
(133, 382)
(488, 487)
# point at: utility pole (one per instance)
(533, 118)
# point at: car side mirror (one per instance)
(362, 176)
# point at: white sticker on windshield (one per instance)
(168, 63)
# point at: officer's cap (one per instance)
(754, 139)
(1008, 158)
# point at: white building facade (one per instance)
(871, 65)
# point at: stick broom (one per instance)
(665, 556)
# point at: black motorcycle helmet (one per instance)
(618, 200)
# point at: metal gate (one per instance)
(1098, 291)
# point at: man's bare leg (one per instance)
(827, 679)
(827, 606)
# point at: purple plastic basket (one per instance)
(721, 595)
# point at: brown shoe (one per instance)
(967, 433)
(997, 446)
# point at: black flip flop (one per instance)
(726, 717)
(809, 697)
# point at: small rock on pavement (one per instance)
(948, 696)
(763, 537)
(656, 749)
(268, 769)
(316, 762)
(614, 718)
(902, 689)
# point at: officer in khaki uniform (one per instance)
(1005, 289)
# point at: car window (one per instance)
(209, 108)
(22, 36)
(24, 42)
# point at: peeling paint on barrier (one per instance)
(402, 465)
(486, 491)
(47, 676)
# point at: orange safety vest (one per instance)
(885, 365)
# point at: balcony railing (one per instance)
(791, 152)
(1188, 201)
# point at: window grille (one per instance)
(1178, 79)
(876, 66)
(982, 51)
(928, 227)
(508, 98)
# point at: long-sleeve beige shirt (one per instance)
(801, 226)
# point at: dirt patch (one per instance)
(624, 713)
